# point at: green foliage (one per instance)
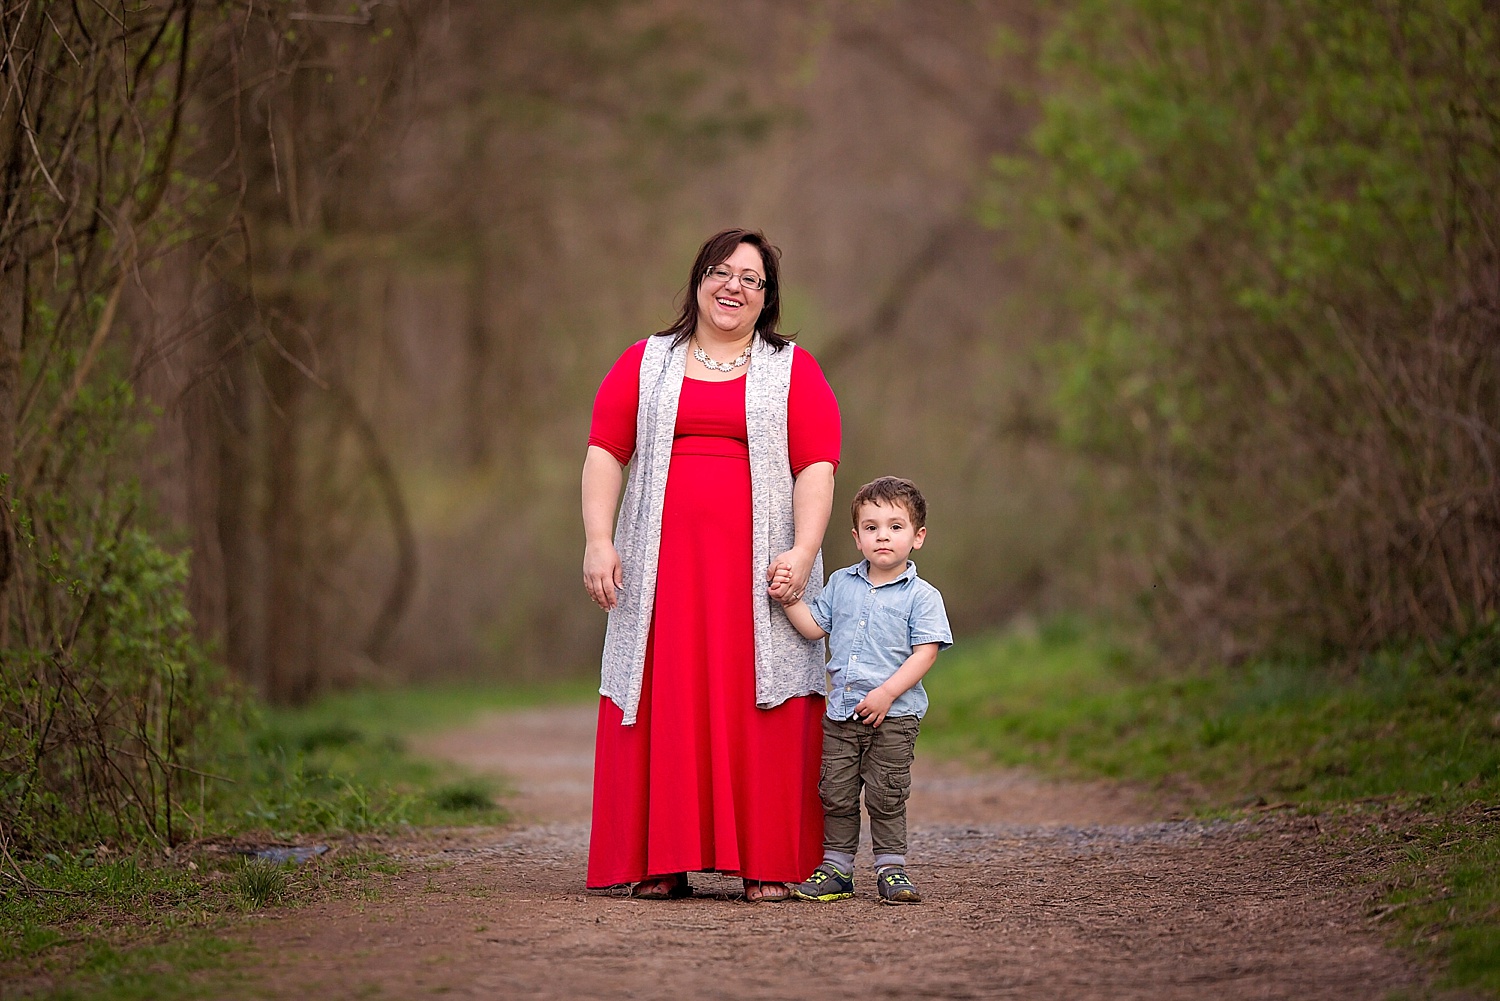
(259, 883)
(184, 967)
(341, 765)
(140, 925)
(84, 899)
(77, 885)
(465, 796)
(102, 926)
(1279, 217)
(294, 772)
(1405, 750)
(1268, 731)
(408, 709)
(105, 687)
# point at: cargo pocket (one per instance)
(889, 775)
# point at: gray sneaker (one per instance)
(896, 887)
(826, 883)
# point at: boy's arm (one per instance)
(802, 618)
(873, 707)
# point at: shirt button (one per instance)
(848, 688)
(861, 621)
(853, 659)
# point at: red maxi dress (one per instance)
(704, 780)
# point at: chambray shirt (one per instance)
(872, 629)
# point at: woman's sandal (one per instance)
(761, 891)
(673, 887)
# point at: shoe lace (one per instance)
(896, 878)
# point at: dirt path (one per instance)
(1035, 890)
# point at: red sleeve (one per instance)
(814, 430)
(613, 426)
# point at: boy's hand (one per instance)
(873, 707)
(779, 583)
(799, 566)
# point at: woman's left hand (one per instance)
(790, 588)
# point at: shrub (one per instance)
(1284, 228)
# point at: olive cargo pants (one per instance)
(878, 760)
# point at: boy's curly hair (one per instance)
(892, 490)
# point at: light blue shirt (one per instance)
(872, 629)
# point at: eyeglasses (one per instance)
(721, 274)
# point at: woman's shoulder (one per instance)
(804, 365)
(800, 355)
(630, 358)
(623, 376)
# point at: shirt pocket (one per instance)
(889, 628)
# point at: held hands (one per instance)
(603, 577)
(779, 579)
(787, 575)
(785, 589)
(873, 707)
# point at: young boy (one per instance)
(886, 626)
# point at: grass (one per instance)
(179, 968)
(1406, 749)
(342, 765)
(258, 883)
(417, 709)
(124, 928)
(119, 925)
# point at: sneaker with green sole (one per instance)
(896, 887)
(826, 883)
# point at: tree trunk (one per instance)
(286, 599)
(478, 415)
(12, 316)
(12, 321)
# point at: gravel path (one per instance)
(1035, 890)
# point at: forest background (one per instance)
(1183, 315)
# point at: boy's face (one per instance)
(884, 534)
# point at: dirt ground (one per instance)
(1034, 889)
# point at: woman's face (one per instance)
(729, 309)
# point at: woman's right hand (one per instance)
(603, 577)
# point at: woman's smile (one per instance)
(727, 307)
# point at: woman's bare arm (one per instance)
(603, 576)
(812, 502)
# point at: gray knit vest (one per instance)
(786, 665)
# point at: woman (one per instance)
(709, 738)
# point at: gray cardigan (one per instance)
(786, 665)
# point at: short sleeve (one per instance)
(613, 425)
(821, 608)
(814, 429)
(929, 619)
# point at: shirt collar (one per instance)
(862, 569)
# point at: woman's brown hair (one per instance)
(716, 250)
